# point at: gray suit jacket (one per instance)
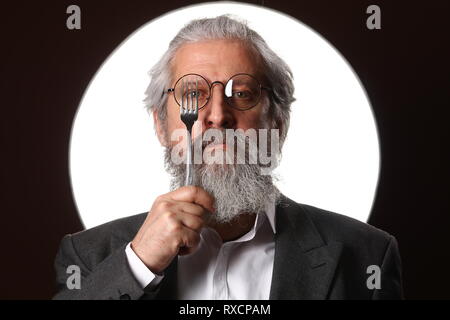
(318, 255)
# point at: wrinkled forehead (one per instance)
(216, 60)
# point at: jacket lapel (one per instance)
(304, 264)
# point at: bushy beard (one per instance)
(237, 188)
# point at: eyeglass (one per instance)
(242, 91)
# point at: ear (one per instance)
(159, 126)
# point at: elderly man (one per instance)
(230, 234)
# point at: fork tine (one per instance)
(182, 96)
(186, 94)
(196, 95)
(189, 98)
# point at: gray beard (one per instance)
(237, 188)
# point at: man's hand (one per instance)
(172, 226)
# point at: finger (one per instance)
(190, 208)
(193, 194)
(194, 223)
(189, 241)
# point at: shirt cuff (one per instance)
(141, 273)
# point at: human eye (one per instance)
(199, 94)
(192, 93)
(242, 94)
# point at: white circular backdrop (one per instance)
(330, 158)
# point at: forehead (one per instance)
(216, 60)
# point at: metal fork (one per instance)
(189, 114)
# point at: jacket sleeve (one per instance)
(391, 274)
(109, 279)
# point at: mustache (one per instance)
(252, 146)
(218, 136)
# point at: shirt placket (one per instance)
(220, 285)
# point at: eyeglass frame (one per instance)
(261, 87)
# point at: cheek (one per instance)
(250, 119)
(173, 117)
(173, 121)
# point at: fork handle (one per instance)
(189, 162)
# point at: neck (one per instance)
(236, 228)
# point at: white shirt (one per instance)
(238, 269)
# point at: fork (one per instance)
(189, 114)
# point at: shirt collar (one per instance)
(269, 213)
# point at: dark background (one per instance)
(45, 69)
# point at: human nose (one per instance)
(217, 114)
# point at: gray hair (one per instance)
(277, 73)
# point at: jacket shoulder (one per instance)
(341, 226)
